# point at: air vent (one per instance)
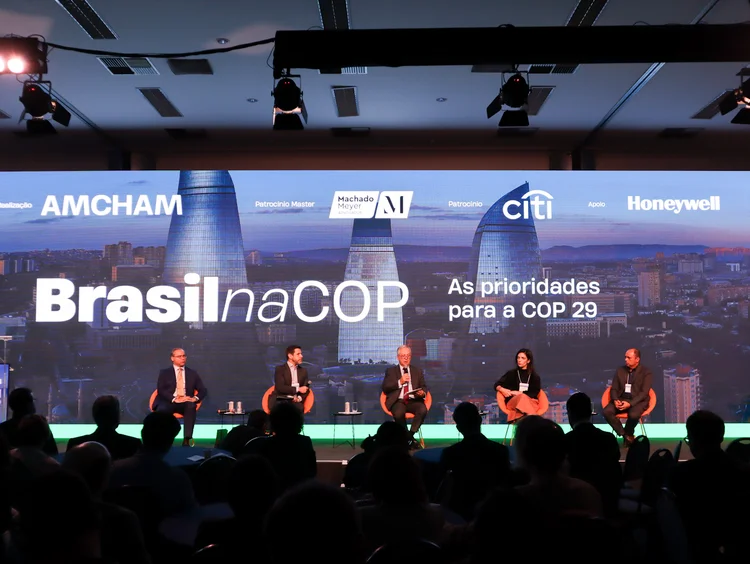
(492, 68)
(564, 69)
(350, 131)
(586, 13)
(3, 115)
(537, 97)
(541, 69)
(334, 14)
(712, 108)
(159, 101)
(345, 70)
(190, 66)
(129, 65)
(345, 99)
(679, 132)
(184, 134)
(516, 131)
(85, 16)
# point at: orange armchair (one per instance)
(152, 399)
(606, 398)
(543, 407)
(427, 404)
(307, 406)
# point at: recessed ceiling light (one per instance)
(441, 99)
(222, 40)
(252, 100)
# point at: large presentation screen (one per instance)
(102, 274)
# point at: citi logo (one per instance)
(636, 203)
(392, 204)
(535, 203)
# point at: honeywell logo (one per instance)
(636, 203)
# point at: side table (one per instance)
(351, 415)
(222, 432)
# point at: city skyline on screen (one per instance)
(589, 207)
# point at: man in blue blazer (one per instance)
(179, 389)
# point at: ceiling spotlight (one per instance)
(252, 100)
(441, 99)
(37, 103)
(514, 94)
(288, 105)
(222, 40)
(22, 55)
(736, 99)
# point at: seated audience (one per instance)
(106, 414)
(291, 454)
(476, 464)
(121, 537)
(237, 438)
(593, 454)
(170, 487)
(712, 493)
(21, 403)
(540, 445)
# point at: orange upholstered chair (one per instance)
(606, 398)
(152, 399)
(543, 407)
(427, 404)
(308, 405)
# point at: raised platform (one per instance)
(666, 431)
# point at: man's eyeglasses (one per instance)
(180, 356)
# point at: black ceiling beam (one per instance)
(320, 49)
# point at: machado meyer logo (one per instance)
(535, 203)
(102, 204)
(356, 204)
(636, 203)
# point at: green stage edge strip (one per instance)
(665, 431)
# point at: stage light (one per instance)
(515, 91)
(288, 106)
(514, 94)
(22, 55)
(37, 102)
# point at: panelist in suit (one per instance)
(629, 394)
(179, 389)
(290, 379)
(398, 382)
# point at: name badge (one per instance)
(523, 387)
(628, 387)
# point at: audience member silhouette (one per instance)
(21, 403)
(476, 464)
(290, 453)
(540, 445)
(388, 434)
(593, 454)
(106, 414)
(28, 460)
(316, 520)
(237, 438)
(712, 493)
(121, 537)
(170, 487)
(401, 505)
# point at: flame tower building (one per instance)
(207, 239)
(371, 259)
(503, 250)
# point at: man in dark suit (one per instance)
(290, 379)
(106, 413)
(593, 454)
(179, 389)
(629, 394)
(21, 403)
(405, 390)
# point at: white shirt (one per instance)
(406, 386)
(293, 369)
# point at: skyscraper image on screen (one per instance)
(503, 249)
(371, 259)
(207, 239)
